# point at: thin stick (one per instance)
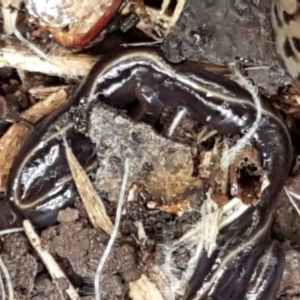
(3, 293)
(11, 230)
(8, 280)
(53, 268)
(295, 195)
(289, 195)
(177, 119)
(19, 57)
(114, 232)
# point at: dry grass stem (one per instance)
(11, 230)
(290, 196)
(3, 293)
(19, 57)
(92, 202)
(205, 134)
(11, 141)
(114, 232)
(7, 279)
(199, 238)
(53, 268)
(182, 112)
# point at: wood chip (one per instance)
(144, 289)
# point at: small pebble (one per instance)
(68, 215)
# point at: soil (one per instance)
(73, 241)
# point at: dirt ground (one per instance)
(75, 244)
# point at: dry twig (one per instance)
(53, 268)
(11, 230)
(182, 112)
(19, 57)
(290, 194)
(7, 279)
(3, 293)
